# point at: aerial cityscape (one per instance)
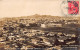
(40, 32)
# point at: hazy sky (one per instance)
(15, 8)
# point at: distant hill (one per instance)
(37, 16)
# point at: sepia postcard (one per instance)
(39, 24)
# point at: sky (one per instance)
(17, 8)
